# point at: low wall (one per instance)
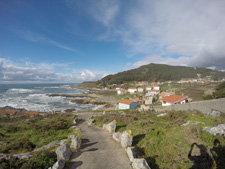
(205, 107)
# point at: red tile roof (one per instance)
(12, 112)
(132, 88)
(32, 112)
(122, 90)
(173, 98)
(138, 100)
(125, 101)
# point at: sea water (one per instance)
(34, 97)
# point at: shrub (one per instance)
(23, 143)
(41, 160)
(12, 163)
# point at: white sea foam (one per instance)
(35, 98)
(21, 90)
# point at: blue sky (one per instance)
(78, 40)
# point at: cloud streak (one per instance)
(37, 38)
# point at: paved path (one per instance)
(99, 150)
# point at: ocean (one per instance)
(34, 97)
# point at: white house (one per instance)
(140, 89)
(132, 90)
(152, 92)
(121, 91)
(148, 88)
(127, 104)
(156, 87)
(174, 99)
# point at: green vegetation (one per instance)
(195, 91)
(219, 92)
(39, 160)
(25, 133)
(163, 142)
(159, 72)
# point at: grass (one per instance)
(162, 141)
(196, 91)
(25, 133)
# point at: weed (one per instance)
(162, 141)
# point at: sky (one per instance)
(82, 40)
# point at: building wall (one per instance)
(132, 91)
(133, 105)
(148, 101)
(140, 90)
(123, 106)
(205, 107)
(121, 92)
(166, 104)
(156, 87)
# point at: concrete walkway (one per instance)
(98, 151)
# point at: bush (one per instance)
(208, 97)
(41, 160)
(22, 144)
(12, 163)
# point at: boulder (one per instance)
(63, 152)
(22, 155)
(76, 121)
(59, 164)
(140, 164)
(110, 127)
(217, 130)
(126, 139)
(62, 142)
(215, 113)
(90, 122)
(52, 144)
(131, 152)
(75, 142)
(117, 136)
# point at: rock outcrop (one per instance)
(126, 139)
(131, 153)
(52, 144)
(217, 130)
(59, 164)
(63, 152)
(75, 142)
(117, 136)
(110, 127)
(140, 164)
(76, 120)
(215, 113)
(90, 122)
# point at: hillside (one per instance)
(159, 72)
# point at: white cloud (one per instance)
(105, 11)
(1, 69)
(193, 31)
(44, 72)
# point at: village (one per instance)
(132, 95)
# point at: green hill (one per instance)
(159, 72)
